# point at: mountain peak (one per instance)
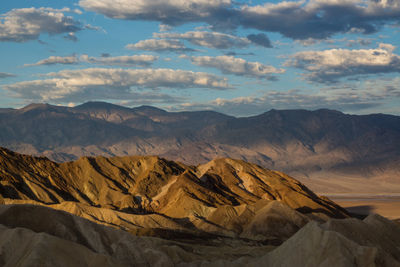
(36, 106)
(41, 107)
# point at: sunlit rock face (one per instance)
(149, 211)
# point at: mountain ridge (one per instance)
(153, 185)
(150, 211)
(321, 144)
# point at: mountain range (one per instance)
(321, 145)
(150, 211)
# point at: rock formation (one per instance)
(149, 211)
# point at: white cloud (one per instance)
(78, 11)
(71, 36)
(272, 8)
(359, 42)
(25, 24)
(348, 98)
(164, 28)
(301, 20)
(320, 19)
(168, 11)
(236, 66)
(55, 60)
(135, 60)
(331, 65)
(208, 39)
(101, 83)
(160, 45)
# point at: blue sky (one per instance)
(240, 58)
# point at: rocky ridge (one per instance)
(149, 211)
(224, 196)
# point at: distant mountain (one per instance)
(322, 143)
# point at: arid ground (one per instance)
(387, 206)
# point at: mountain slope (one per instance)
(149, 211)
(349, 242)
(321, 143)
(224, 196)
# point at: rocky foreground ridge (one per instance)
(148, 211)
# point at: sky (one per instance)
(237, 57)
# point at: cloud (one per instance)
(359, 42)
(6, 75)
(320, 19)
(371, 94)
(56, 60)
(208, 39)
(233, 53)
(330, 65)
(77, 11)
(301, 20)
(150, 98)
(135, 60)
(169, 12)
(102, 83)
(236, 66)
(260, 39)
(71, 36)
(160, 45)
(25, 24)
(164, 28)
(293, 99)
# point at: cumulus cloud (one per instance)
(164, 28)
(293, 99)
(95, 83)
(71, 36)
(233, 53)
(317, 19)
(169, 12)
(371, 94)
(260, 39)
(236, 66)
(6, 75)
(25, 24)
(208, 39)
(56, 60)
(135, 60)
(320, 19)
(160, 45)
(151, 98)
(359, 42)
(331, 65)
